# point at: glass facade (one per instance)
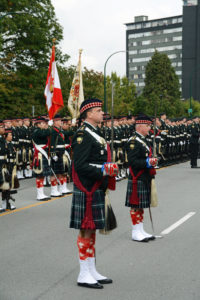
(189, 2)
(144, 37)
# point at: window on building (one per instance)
(177, 38)
(146, 42)
(133, 52)
(172, 30)
(133, 68)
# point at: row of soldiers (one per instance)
(28, 145)
(39, 148)
(172, 140)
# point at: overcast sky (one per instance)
(97, 26)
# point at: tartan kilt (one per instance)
(79, 205)
(58, 166)
(143, 192)
(46, 170)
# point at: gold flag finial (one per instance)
(54, 40)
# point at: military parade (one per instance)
(99, 175)
(176, 141)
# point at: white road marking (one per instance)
(178, 223)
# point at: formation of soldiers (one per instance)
(173, 141)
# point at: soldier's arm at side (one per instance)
(134, 157)
(81, 157)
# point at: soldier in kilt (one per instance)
(141, 166)
(90, 154)
(12, 170)
(28, 147)
(58, 183)
(4, 175)
(68, 134)
(41, 166)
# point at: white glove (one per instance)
(50, 122)
(55, 158)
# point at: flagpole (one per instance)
(77, 106)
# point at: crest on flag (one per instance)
(76, 96)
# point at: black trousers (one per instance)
(194, 154)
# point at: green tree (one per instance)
(26, 39)
(195, 107)
(124, 94)
(161, 84)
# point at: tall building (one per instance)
(145, 36)
(191, 51)
(177, 36)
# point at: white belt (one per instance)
(11, 160)
(96, 165)
(60, 146)
(3, 156)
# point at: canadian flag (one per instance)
(52, 92)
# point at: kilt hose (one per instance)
(79, 206)
(58, 166)
(143, 192)
(46, 170)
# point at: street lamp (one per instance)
(190, 88)
(105, 96)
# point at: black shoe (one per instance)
(44, 199)
(105, 281)
(142, 241)
(68, 193)
(194, 167)
(91, 285)
(2, 210)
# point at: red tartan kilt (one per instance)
(79, 206)
(143, 192)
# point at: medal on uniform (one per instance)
(103, 142)
(102, 152)
(79, 140)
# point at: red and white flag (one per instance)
(52, 92)
(76, 96)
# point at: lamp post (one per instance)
(190, 88)
(105, 95)
(190, 109)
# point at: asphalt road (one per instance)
(39, 257)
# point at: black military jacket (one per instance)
(3, 156)
(88, 152)
(194, 133)
(40, 136)
(138, 151)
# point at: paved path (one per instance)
(39, 257)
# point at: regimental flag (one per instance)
(76, 96)
(52, 92)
